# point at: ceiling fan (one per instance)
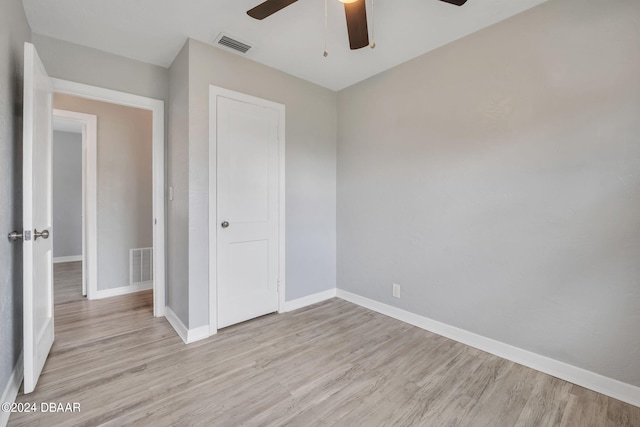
(355, 11)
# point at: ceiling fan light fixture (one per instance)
(355, 12)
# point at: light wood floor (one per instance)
(330, 364)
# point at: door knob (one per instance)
(14, 235)
(44, 234)
(224, 224)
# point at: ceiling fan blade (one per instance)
(268, 8)
(456, 2)
(357, 24)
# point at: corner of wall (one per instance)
(178, 185)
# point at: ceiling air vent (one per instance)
(233, 44)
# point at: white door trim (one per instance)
(214, 93)
(89, 127)
(159, 170)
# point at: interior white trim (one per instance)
(188, 335)
(282, 126)
(11, 389)
(176, 323)
(197, 334)
(214, 92)
(123, 290)
(596, 382)
(299, 303)
(73, 258)
(67, 126)
(88, 125)
(159, 171)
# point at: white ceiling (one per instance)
(291, 40)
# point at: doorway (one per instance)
(74, 201)
(246, 207)
(140, 258)
(121, 219)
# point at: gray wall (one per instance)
(14, 31)
(497, 179)
(178, 209)
(81, 64)
(67, 194)
(311, 127)
(125, 210)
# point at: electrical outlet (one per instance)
(396, 290)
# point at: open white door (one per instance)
(37, 217)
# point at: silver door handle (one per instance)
(44, 234)
(14, 235)
(224, 224)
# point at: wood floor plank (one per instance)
(622, 415)
(504, 405)
(585, 408)
(330, 364)
(438, 390)
(546, 404)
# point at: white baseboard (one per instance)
(187, 335)
(608, 386)
(177, 324)
(107, 293)
(308, 300)
(11, 389)
(72, 258)
(197, 334)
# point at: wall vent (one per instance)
(140, 266)
(233, 44)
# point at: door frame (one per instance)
(156, 107)
(88, 124)
(214, 93)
